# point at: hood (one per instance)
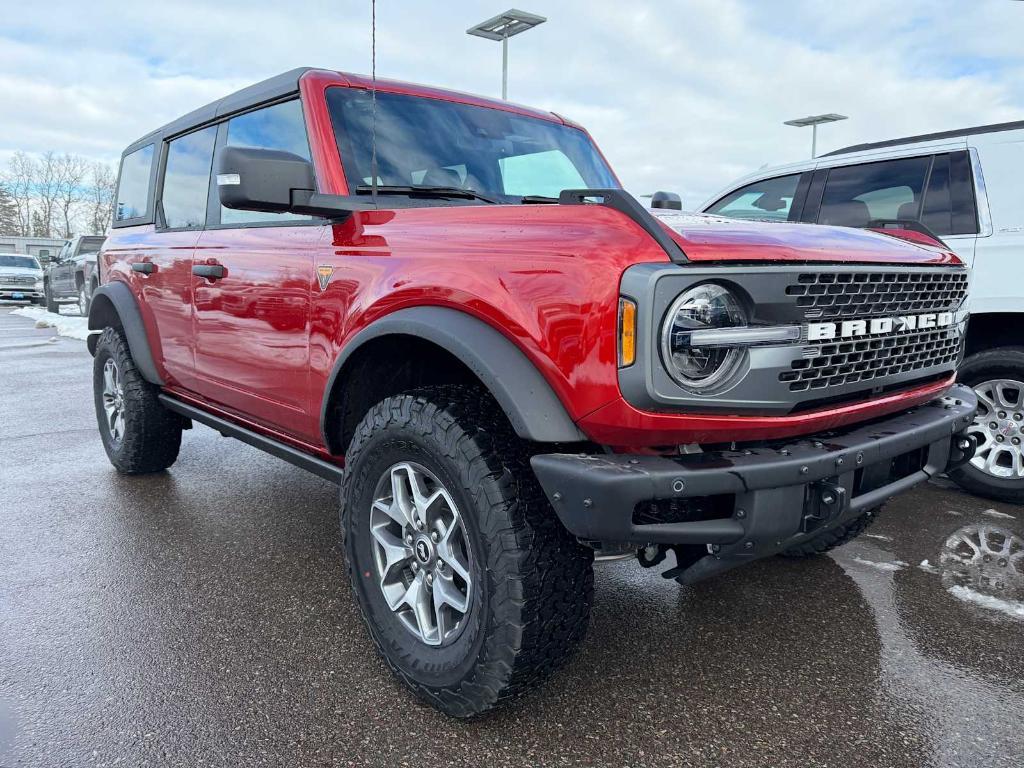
(716, 238)
(21, 272)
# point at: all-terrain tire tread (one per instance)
(152, 436)
(836, 537)
(541, 577)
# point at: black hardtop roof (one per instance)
(993, 128)
(258, 93)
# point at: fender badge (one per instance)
(324, 272)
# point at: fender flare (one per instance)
(117, 299)
(522, 392)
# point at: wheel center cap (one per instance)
(424, 550)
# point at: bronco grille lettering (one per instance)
(848, 329)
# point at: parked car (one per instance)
(448, 305)
(21, 278)
(72, 275)
(964, 186)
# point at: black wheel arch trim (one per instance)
(522, 392)
(124, 305)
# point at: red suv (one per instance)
(449, 306)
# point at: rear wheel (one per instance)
(83, 301)
(472, 590)
(834, 537)
(51, 305)
(138, 433)
(997, 469)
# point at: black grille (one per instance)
(859, 294)
(831, 364)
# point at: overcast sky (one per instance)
(682, 95)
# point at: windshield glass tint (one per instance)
(431, 142)
(10, 260)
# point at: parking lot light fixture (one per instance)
(502, 27)
(814, 121)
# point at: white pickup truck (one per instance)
(966, 187)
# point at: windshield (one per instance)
(429, 142)
(14, 260)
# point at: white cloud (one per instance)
(681, 95)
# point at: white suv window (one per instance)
(765, 200)
(855, 195)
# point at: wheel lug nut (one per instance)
(408, 539)
(435, 536)
(1018, 416)
(993, 425)
(1000, 438)
(430, 579)
(439, 565)
(1015, 441)
(415, 566)
(1002, 414)
(419, 525)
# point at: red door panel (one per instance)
(252, 324)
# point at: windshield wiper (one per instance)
(538, 200)
(421, 191)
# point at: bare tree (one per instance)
(69, 173)
(9, 222)
(47, 191)
(20, 181)
(100, 202)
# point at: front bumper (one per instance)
(745, 504)
(8, 292)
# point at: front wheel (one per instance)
(997, 469)
(472, 590)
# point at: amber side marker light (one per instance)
(627, 332)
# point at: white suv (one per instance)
(966, 187)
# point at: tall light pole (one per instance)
(814, 121)
(502, 27)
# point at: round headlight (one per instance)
(705, 306)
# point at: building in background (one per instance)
(43, 248)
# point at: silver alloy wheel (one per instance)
(999, 428)
(113, 400)
(83, 302)
(421, 553)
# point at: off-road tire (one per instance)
(1001, 363)
(152, 434)
(532, 607)
(832, 538)
(51, 305)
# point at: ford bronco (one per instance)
(449, 306)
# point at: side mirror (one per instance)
(669, 200)
(272, 181)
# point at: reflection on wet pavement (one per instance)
(201, 617)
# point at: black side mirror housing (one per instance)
(669, 200)
(271, 181)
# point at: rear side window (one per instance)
(765, 200)
(855, 195)
(280, 127)
(187, 179)
(133, 186)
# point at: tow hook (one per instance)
(825, 500)
(962, 450)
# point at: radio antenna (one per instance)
(373, 101)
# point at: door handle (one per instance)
(144, 267)
(209, 271)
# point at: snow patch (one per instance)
(878, 536)
(999, 515)
(954, 513)
(1012, 608)
(72, 327)
(899, 565)
(928, 567)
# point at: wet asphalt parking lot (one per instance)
(201, 617)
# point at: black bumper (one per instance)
(746, 504)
